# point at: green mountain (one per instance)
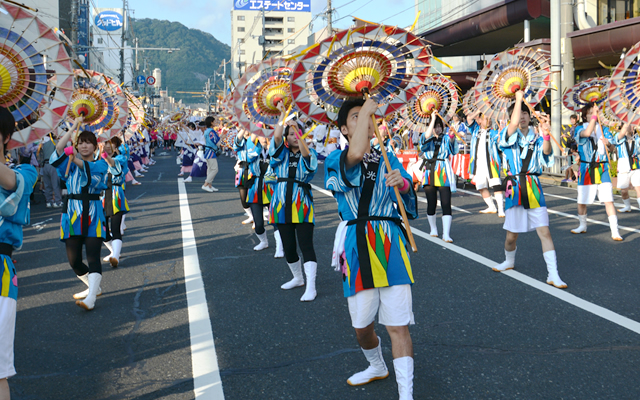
(186, 70)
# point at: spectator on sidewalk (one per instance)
(52, 192)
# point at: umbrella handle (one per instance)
(395, 188)
(533, 112)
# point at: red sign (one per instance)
(151, 80)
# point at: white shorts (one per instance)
(7, 335)
(393, 305)
(587, 193)
(520, 220)
(629, 178)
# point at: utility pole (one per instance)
(264, 39)
(137, 66)
(329, 22)
(124, 26)
(74, 27)
(556, 70)
(224, 75)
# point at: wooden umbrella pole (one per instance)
(395, 188)
(451, 128)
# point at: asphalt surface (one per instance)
(478, 334)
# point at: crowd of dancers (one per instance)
(273, 177)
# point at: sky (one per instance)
(213, 16)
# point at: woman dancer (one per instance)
(292, 202)
(259, 192)
(16, 185)
(82, 222)
(438, 147)
(114, 201)
(243, 175)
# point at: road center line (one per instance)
(204, 361)
(563, 295)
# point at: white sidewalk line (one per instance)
(207, 383)
(563, 214)
(563, 295)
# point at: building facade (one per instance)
(107, 26)
(260, 27)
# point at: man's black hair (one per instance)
(347, 105)
(7, 124)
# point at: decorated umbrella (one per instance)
(608, 118)
(369, 59)
(469, 102)
(268, 86)
(523, 69)
(624, 87)
(377, 58)
(118, 121)
(36, 77)
(435, 94)
(96, 101)
(586, 92)
(240, 114)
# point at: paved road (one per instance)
(478, 333)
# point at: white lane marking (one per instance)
(137, 198)
(563, 295)
(563, 214)
(204, 361)
(575, 199)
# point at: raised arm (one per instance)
(429, 131)
(545, 129)
(62, 143)
(515, 115)
(277, 133)
(592, 123)
(359, 143)
(623, 131)
(472, 117)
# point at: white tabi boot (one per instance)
(85, 279)
(508, 263)
(491, 209)
(613, 224)
(638, 200)
(250, 219)
(627, 206)
(265, 213)
(433, 225)
(123, 226)
(446, 228)
(279, 247)
(264, 242)
(500, 203)
(582, 228)
(297, 280)
(110, 248)
(552, 268)
(404, 377)
(377, 367)
(115, 257)
(94, 285)
(310, 270)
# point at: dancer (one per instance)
(259, 192)
(526, 153)
(370, 247)
(594, 170)
(628, 145)
(114, 201)
(82, 222)
(210, 153)
(243, 175)
(438, 147)
(16, 185)
(484, 163)
(292, 203)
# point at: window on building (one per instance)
(291, 30)
(291, 41)
(617, 10)
(241, 29)
(100, 41)
(291, 19)
(241, 52)
(240, 40)
(240, 17)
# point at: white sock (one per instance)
(489, 202)
(500, 202)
